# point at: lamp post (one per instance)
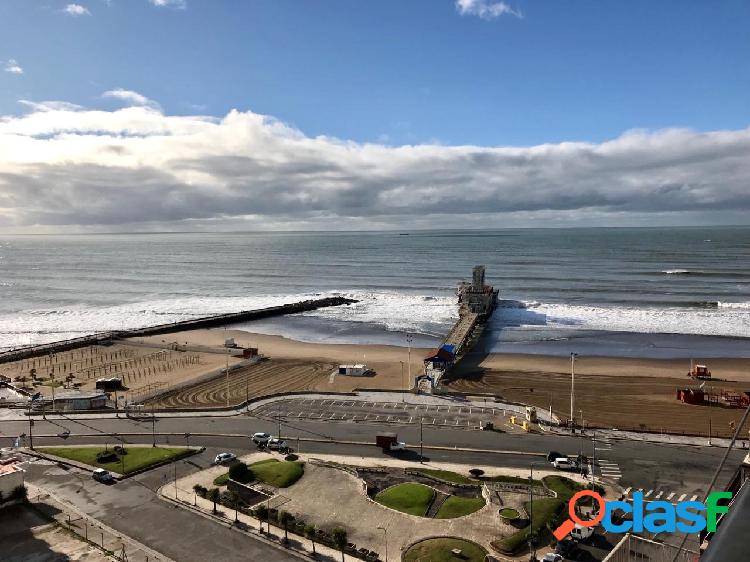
(409, 339)
(385, 534)
(227, 367)
(572, 390)
(532, 544)
(403, 383)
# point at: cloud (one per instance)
(76, 10)
(179, 4)
(130, 97)
(12, 66)
(485, 9)
(134, 167)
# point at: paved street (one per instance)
(132, 507)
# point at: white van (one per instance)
(563, 463)
(581, 533)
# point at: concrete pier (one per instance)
(193, 324)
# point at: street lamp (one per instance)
(385, 534)
(572, 389)
(409, 339)
(403, 391)
(532, 544)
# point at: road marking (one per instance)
(331, 416)
(411, 418)
(682, 497)
(457, 424)
(367, 416)
(669, 497)
(303, 413)
(627, 491)
(695, 497)
(377, 418)
(659, 495)
(648, 493)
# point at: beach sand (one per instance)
(612, 392)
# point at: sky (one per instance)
(140, 115)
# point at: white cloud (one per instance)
(130, 97)
(486, 9)
(61, 164)
(12, 66)
(76, 10)
(179, 4)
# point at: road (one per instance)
(185, 536)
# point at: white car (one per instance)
(581, 533)
(223, 458)
(277, 444)
(563, 463)
(261, 438)
(552, 557)
(101, 475)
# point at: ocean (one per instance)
(653, 292)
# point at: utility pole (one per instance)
(278, 417)
(175, 478)
(227, 367)
(409, 339)
(385, 534)
(31, 432)
(532, 544)
(420, 442)
(403, 383)
(572, 390)
(153, 427)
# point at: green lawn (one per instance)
(446, 475)
(457, 506)
(136, 458)
(545, 509)
(511, 480)
(281, 474)
(440, 550)
(509, 513)
(221, 480)
(410, 497)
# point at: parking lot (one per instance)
(342, 410)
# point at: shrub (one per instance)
(291, 457)
(261, 512)
(200, 490)
(240, 472)
(106, 456)
(213, 495)
(476, 472)
(19, 493)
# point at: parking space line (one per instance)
(410, 419)
(669, 497)
(647, 494)
(695, 497)
(626, 492)
(682, 497)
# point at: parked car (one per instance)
(563, 463)
(552, 557)
(274, 443)
(103, 476)
(261, 438)
(224, 458)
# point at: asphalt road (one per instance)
(133, 508)
(658, 467)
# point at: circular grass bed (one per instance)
(509, 513)
(458, 506)
(441, 550)
(410, 497)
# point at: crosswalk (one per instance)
(607, 468)
(661, 495)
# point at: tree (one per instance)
(340, 539)
(284, 519)
(240, 472)
(310, 533)
(213, 495)
(200, 490)
(262, 513)
(19, 493)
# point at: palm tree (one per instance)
(310, 532)
(340, 539)
(284, 519)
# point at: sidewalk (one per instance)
(90, 529)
